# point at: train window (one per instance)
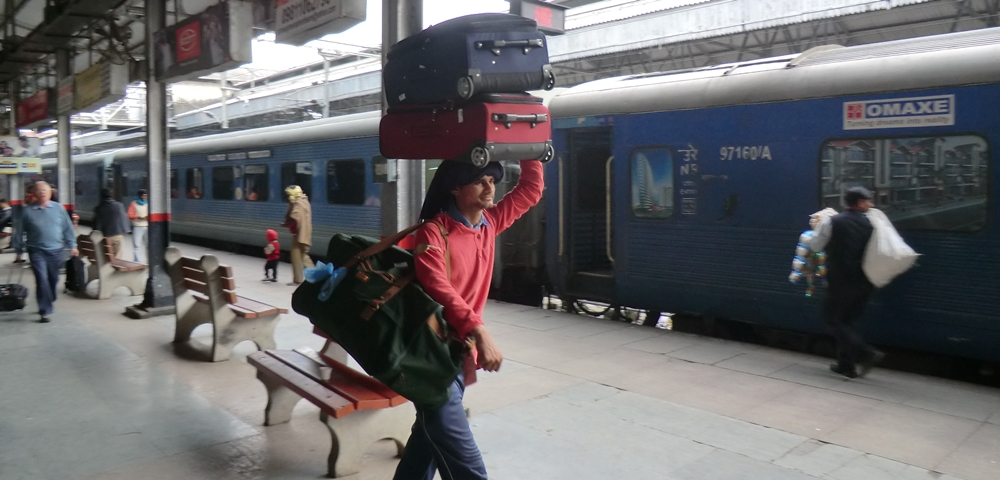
(173, 183)
(255, 183)
(195, 183)
(921, 183)
(345, 182)
(224, 183)
(652, 183)
(297, 173)
(78, 187)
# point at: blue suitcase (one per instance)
(466, 56)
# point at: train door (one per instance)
(119, 184)
(586, 211)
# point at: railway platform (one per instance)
(96, 395)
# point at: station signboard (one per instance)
(64, 96)
(299, 21)
(99, 85)
(20, 165)
(551, 18)
(215, 40)
(35, 109)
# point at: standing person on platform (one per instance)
(845, 237)
(6, 223)
(48, 230)
(298, 219)
(272, 252)
(138, 212)
(111, 220)
(29, 199)
(460, 200)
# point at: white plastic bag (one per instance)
(886, 255)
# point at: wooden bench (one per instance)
(357, 409)
(204, 292)
(110, 272)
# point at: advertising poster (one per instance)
(214, 40)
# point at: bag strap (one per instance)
(398, 286)
(386, 243)
(447, 251)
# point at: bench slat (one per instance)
(195, 274)
(365, 379)
(125, 265)
(363, 398)
(196, 286)
(314, 391)
(193, 264)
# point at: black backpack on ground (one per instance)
(76, 274)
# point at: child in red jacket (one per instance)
(272, 252)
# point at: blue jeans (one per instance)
(45, 264)
(441, 440)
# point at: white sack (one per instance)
(886, 254)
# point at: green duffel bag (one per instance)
(373, 306)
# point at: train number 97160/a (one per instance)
(745, 153)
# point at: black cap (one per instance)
(854, 195)
(105, 193)
(142, 191)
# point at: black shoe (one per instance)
(849, 373)
(44, 319)
(274, 280)
(866, 366)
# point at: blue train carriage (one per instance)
(229, 187)
(685, 192)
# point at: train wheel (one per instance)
(551, 82)
(479, 156)
(465, 88)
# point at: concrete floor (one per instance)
(95, 395)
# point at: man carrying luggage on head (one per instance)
(845, 237)
(47, 229)
(460, 200)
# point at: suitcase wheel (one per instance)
(550, 153)
(551, 82)
(466, 89)
(479, 156)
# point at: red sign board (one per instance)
(550, 17)
(33, 109)
(189, 41)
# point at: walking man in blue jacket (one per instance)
(47, 231)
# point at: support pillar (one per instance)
(67, 186)
(402, 199)
(15, 183)
(159, 296)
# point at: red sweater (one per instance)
(472, 256)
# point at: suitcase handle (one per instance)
(508, 118)
(495, 45)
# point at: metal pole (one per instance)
(225, 94)
(326, 88)
(401, 200)
(159, 295)
(15, 183)
(67, 192)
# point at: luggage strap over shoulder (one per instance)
(402, 282)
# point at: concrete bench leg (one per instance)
(112, 279)
(230, 332)
(281, 400)
(353, 434)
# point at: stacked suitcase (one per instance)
(456, 92)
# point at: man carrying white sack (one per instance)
(845, 237)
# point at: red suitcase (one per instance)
(494, 127)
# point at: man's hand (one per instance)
(490, 357)
(74, 252)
